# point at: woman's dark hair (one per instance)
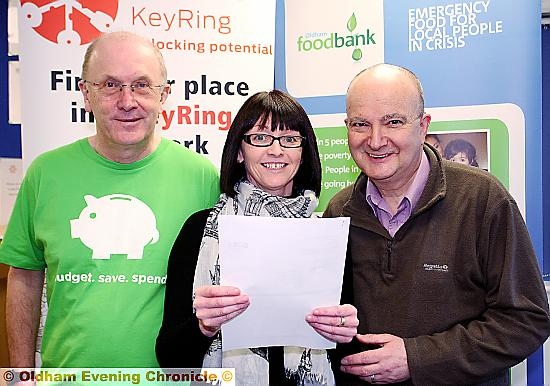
(461, 146)
(285, 113)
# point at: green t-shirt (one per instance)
(104, 231)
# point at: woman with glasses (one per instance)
(270, 167)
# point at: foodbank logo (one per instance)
(328, 41)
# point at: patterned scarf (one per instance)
(303, 366)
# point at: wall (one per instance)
(10, 145)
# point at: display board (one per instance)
(217, 54)
(475, 88)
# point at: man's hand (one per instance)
(387, 364)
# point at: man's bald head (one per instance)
(389, 71)
(121, 36)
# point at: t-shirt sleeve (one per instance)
(20, 248)
(212, 183)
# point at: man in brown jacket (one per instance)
(440, 264)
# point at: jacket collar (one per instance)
(361, 213)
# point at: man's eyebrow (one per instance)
(393, 116)
(116, 78)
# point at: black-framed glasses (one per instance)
(265, 140)
(110, 88)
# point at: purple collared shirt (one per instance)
(407, 204)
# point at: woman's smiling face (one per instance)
(271, 168)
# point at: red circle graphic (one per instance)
(69, 22)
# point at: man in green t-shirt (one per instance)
(99, 216)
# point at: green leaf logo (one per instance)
(352, 23)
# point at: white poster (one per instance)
(11, 174)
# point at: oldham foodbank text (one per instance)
(335, 41)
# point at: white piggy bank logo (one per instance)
(115, 224)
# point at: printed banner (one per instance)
(217, 54)
(480, 96)
(455, 48)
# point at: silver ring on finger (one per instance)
(342, 321)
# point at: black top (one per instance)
(180, 343)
